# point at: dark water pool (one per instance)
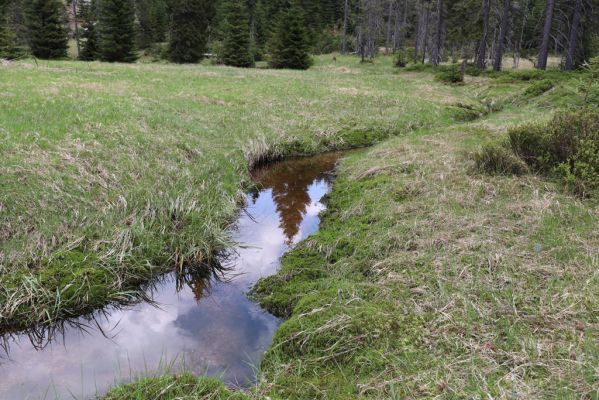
(208, 326)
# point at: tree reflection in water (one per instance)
(289, 182)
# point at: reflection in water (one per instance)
(208, 325)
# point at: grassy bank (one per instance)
(429, 279)
(112, 174)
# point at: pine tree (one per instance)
(152, 22)
(117, 30)
(89, 34)
(188, 39)
(9, 45)
(291, 45)
(236, 29)
(46, 28)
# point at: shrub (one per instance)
(531, 143)
(498, 159)
(451, 74)
(567, 146)
(401, 60)
(419, 68)
(538, 88)
(466, 112)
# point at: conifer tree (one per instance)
(189, 30)
(117, 30)
(291, 45)
(89, 32)
(9, 45)
(152, 22)
(46, 28)
(236, 29)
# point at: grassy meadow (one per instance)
(111, 174)
(427, 278)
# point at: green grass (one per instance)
(426, 280)
(112, 174)
(429, 281)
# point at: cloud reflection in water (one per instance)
(214, 330)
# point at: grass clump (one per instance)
(538, 88)
(568, 146)
(498, 159)
(465, 112)
(174, 387)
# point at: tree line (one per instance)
(285, 32)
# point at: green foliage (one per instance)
(152, 22)
(89, 33)
(117, 30)
(568, 146)
(498, 159)
(188, 37)
(174, 387)
(449, 74)
(46, 28)
(465, 112)
(589, 85)
(9, 45)
(401, 59)
(236, 49)
(538, 88)
(291, 46)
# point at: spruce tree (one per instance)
(117, 30)
(236, 29)
(89, 32)
(189, 30)
(46, 29)
(291, 46)
(9, 45)
(152, 22)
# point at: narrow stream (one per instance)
(209, 327)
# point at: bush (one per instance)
(531, 143)
(568, 146)
(466, 112)
(451, 74)
(538, 88)
(401, 60)
(420, 68)
(497, 159)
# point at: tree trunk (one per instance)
(389, 23)
(573, 40)
(345, 23)
(503, 25)
(481, 54)
(425, 45)
(76, 21)
(435, 58)
(544, 49)
(521, 38)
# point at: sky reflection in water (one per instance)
(213, 328)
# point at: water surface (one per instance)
(209, 326)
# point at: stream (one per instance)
(206, 326)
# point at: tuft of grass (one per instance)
(174, 387)
(498, 159)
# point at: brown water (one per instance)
(207, 326)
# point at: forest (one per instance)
(240, 33)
